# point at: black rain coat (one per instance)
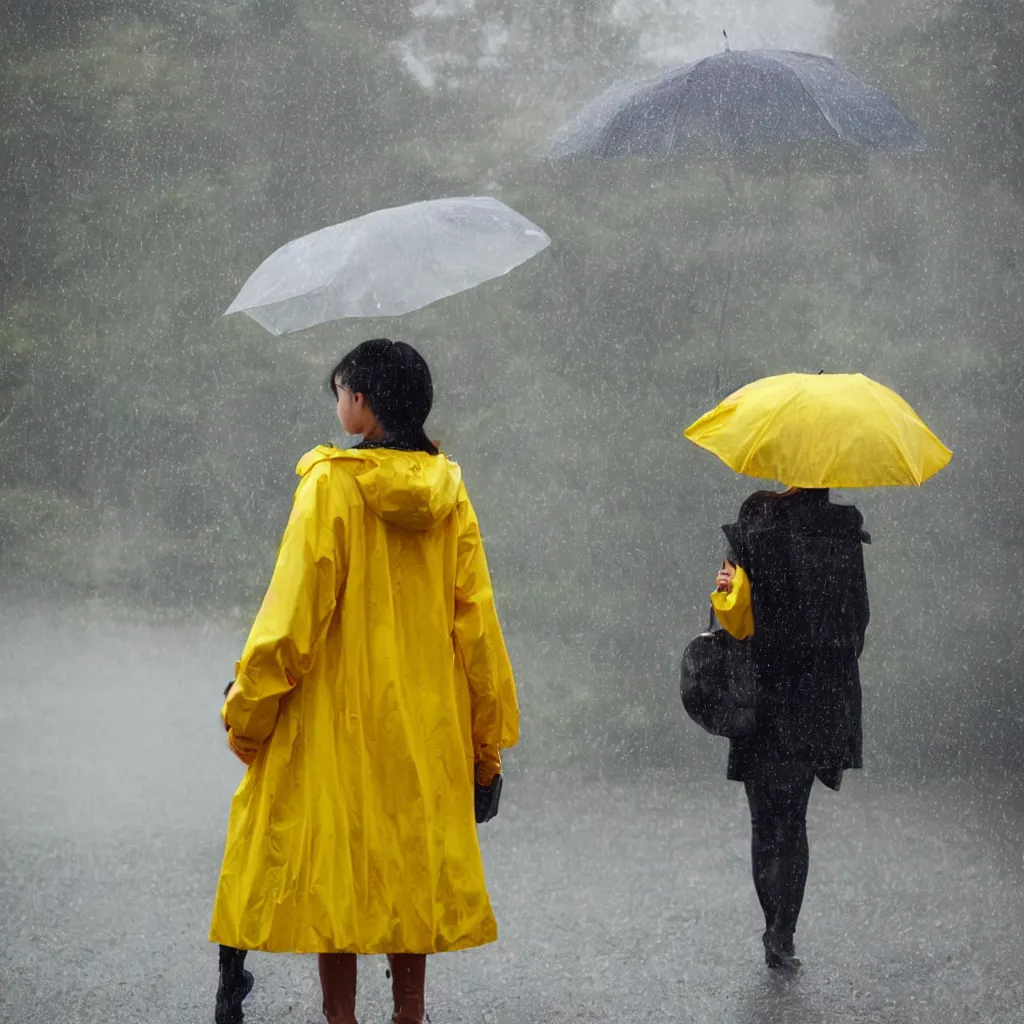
(804, 558)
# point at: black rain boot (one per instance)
(779, 952)
(234, 985)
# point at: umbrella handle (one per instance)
(721, 334)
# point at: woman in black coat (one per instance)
(803, 557)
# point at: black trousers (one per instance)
(232, 961)
(778, 798)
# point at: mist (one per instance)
(159, 155)
(156, 151)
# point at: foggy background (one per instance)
(154, 151)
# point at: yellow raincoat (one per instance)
(373, 685)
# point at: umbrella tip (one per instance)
(725, 36)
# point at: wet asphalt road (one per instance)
(617, 902)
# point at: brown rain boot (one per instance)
(408, 976)
(338, 984)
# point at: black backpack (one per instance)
(717, 683)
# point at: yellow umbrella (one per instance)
(825, 430)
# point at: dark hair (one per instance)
(761, 502)
(396, 381)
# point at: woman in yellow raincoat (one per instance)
(372, 699)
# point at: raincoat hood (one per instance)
(413, 490)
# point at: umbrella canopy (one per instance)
(387, 263)
(744, 100)
(825, 430)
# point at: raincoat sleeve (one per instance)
(294, 616)
(861, 605)
(735, 610)
(494, 707)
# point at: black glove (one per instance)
(486, 800)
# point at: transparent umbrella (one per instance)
(387, 263)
